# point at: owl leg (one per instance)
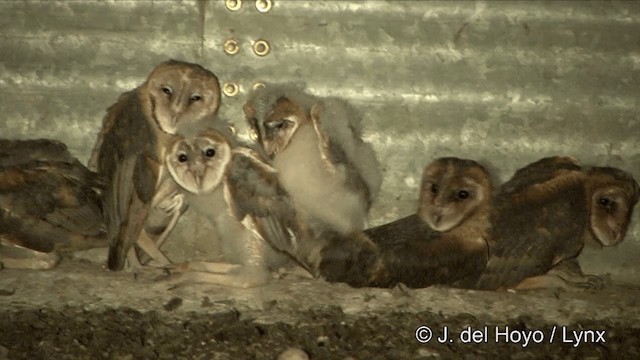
(542, 282)
(172, 206)
(570, 271)
(138, 269)
(175, 207)
(210, 267)
(243, 277)
(153, 250)
(17, 257)
(554, 281)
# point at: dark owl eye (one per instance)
(434, 189)
(210, 152)
(182, 158)
(167, 90)
(462, 194)
(605, 202)
(277, 125)
(195, 97)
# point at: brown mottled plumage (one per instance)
(443, 243)
(128, 152)
(14, 152)
(545, 213)
(48, 208)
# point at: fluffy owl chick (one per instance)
(13, 152)
(316, 144)
(207, 165)
(128, 152)
(48, 208)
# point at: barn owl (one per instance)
(316, 145)
(444, 242)
(214, 175)
(452, 189)
(612, 194)
(540, 225)
(48, 208)
(128, 151)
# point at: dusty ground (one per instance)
(82, 311)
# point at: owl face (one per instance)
(613, 196)
(278, 127)
(452, 190)
(198, 163)
(181, 92)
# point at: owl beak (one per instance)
(198, 173)
(270, 148)
(436, 217)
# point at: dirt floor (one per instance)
(80, 310)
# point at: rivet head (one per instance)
(230, 89)
(264, 5)
(231, 46)
(233, 5)
(261, 47)
(257, 85)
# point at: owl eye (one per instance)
(462, 194)
(434, 189)
(182, 158)
(210, 152)
(195, 97)
(605, 202)
(276, 125)
(167, 90)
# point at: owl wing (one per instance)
(529, 238)
(256, 199)
(540, 171)
(337, 127)
(127, 159)
(15, 152)
(414, 254)
(111, 118)
(45, 209)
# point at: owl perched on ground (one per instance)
(316, 145)
(443, 243)
(128, 151)
(539, 225)
(48, 208)
(13, 152)
(222, 181)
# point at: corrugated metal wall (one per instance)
(503, 82)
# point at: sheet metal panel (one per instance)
(502, 82)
